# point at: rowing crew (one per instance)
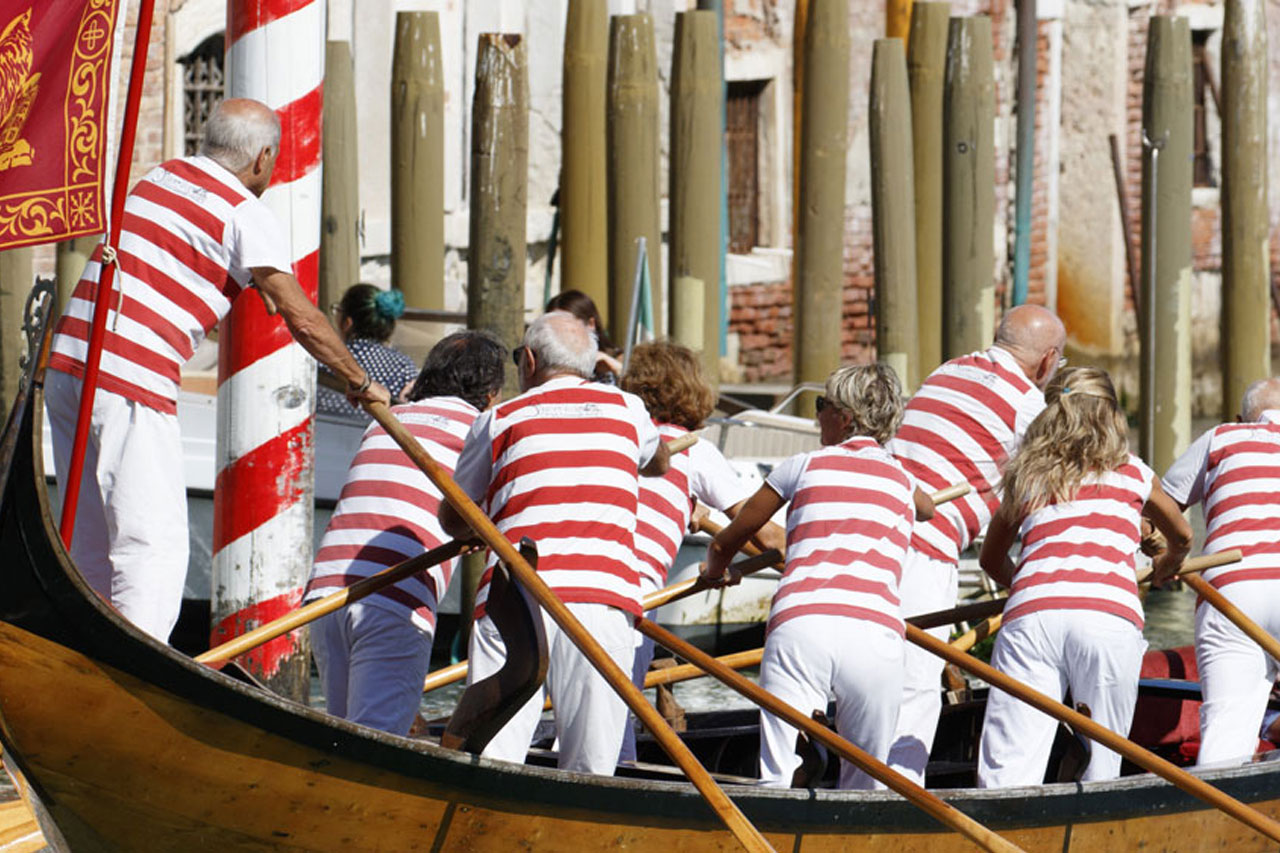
(565, 464)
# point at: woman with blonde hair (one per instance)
(834, 625)
(1077, 497)
(668, 378)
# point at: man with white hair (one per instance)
(1233, 470)
(195, 235)
(960, 426)
(559, 465)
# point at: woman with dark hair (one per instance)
(366, 317)
(577, 303)
(373, 655)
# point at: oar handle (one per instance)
(950, 493)
(1238, 617)
(724, 808)
(977, 633)
(445, 676)
(363, 588)
(1202, 563)
(771, 559)
(943, 812)
(682, 442)
(1099, 733)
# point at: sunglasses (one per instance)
(516, 355)
(821, 403)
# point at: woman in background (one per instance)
(577, 303)
(366, 317)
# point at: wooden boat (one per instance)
(133, 746)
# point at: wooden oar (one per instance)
(978, 632)
(938, 809)
(1097, 732)
(1197, 564)
(1252, 629)
(363, 588)
(746, 834)
(454, 673)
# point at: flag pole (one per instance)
(70, 486)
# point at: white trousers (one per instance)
(372, 661)
(589, 715)
(926, 587)
(1097, 655)
(130, 541)
(1235, 674)
(809, 658)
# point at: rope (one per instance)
(109, 257)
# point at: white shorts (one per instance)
(1235, 674)
(372, 661)
(927, 586)
(808, 659)
(1097, 655)
(130, 541)
(589, 715)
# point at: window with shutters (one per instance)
(203, 88)
(742, 143)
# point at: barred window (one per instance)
(203, 88)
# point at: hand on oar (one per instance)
(1195, 565)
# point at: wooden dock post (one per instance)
(16, 277)
(584, 199)
(1246, 279)
(819, 281)
(417, 161)
(339, 189)
(893, 211)
(633, 166)
(1165, 360)
(499, 191)
(697, 101)
(968, 170)
(926, 71)
(71, 258)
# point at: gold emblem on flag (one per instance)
(18, 87)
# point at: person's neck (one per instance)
(1025, 362)
(541, 378)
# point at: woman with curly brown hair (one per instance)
(1077, 497)
(668, 378)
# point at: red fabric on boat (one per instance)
(1169, 726)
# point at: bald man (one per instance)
(195, 235)
(1233, 470)
(962, 424)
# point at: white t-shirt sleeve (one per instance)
(1029, 408)
(254, 238)
(647, 434)
(475, 463)
(1184, 481)
(712, 479)
(785, 478)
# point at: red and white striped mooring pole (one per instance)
(262, 513)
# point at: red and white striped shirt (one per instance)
(559, 464)
(1235, 470)
(387, 512)
(1079, 555)
(666, 504)
(848, 526)
(961, 426)
(190, 238)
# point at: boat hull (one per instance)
(133, 746)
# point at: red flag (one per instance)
(55, 77)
